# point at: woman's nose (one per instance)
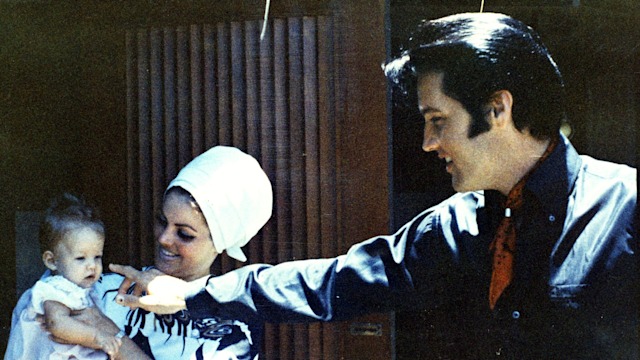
(164, 238)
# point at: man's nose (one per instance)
(429, 141)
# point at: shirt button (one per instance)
(515, 314)
(552, 218)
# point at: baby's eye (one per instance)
(80, 258)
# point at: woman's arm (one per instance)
(93, 318)
(62, 325)
(130, 351)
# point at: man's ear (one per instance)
(49, 260)
(501, 104)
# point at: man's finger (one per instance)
(59, 340)
(159, 305)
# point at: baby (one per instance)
(72, 240)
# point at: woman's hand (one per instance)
(165, 294)
(90, 316)
(93, 317)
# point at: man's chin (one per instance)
(462, 187)
(457, 186)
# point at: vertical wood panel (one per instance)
(144, 148)
(133, 167)
(170, 111)
(238, 87)
(183, 91)
(238, 101)
(296, 147)
(296, 150)
(252, 73)
(224, 109)
(157, 151)
(195, 62)
(282, 200)
(311, 137)
(210, 94)
(327, 135)
(314, 239)
(267, 129)
(225, 101)
(327, 142)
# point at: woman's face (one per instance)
(185, 249)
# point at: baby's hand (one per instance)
(109, 344)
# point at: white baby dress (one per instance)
(28, 339)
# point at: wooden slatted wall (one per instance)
(193, 87)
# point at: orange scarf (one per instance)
(504, 243)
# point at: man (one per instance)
(535, 257)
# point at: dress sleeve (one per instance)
(58, 289)
(43, 291)
(374, 276)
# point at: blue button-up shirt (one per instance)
(574, 294)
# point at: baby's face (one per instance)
(78, 257)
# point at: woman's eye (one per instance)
(183, 235)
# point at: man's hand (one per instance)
(165, 294)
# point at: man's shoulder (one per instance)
(609, 173)
(607, 169)
(460, 208)
(463, 202)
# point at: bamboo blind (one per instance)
(193, 87)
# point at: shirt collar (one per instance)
(554, 179)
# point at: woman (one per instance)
(218, 202)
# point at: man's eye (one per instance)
(437, 119)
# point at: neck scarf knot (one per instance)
(504, 243)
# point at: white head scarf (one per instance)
(233, 193)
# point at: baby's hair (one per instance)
(67, 212)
